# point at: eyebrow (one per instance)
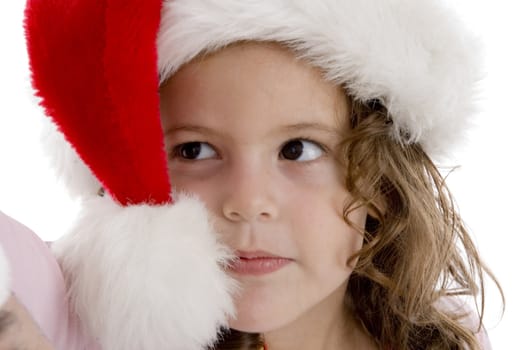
(311, 126)
(194, 128)
(292, 127)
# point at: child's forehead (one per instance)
(265, 55)
(252, 78)
(256, 63)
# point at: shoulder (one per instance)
(29, 262)
(29, 270)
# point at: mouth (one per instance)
(257, 263)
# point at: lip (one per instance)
(257, 263)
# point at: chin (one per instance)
(264, 304)
(252, 325)
(260, 317)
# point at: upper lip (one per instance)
(254, 254)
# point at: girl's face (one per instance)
(253, 132)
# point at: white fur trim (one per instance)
(413, 55)
(144, 277)
(64, 160)
(5, 278)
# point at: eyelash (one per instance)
(175, 149)
(323, 147)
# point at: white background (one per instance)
(489, 186)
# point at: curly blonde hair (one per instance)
(416, 249)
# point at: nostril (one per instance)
(234, 216)
(249, 207)
(265, 215)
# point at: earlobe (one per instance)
(377, 207)
(375, 211)
(371, 225)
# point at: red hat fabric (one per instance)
(94, 65)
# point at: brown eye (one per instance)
(193, 151)
(301, 150)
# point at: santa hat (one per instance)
(97, 66)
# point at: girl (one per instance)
(263, 172)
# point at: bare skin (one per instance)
(18, 330)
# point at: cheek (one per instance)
(193, 184)
(322, 233)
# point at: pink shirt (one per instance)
(38, 284)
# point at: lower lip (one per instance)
(258, 266)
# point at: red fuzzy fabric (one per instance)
(94, 64)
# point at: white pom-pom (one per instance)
(147, 277)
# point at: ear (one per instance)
(377, 207)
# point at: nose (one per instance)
(250, 195)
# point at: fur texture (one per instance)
(413, 55)
(77, 178)
(144, 277)
(93, 65)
